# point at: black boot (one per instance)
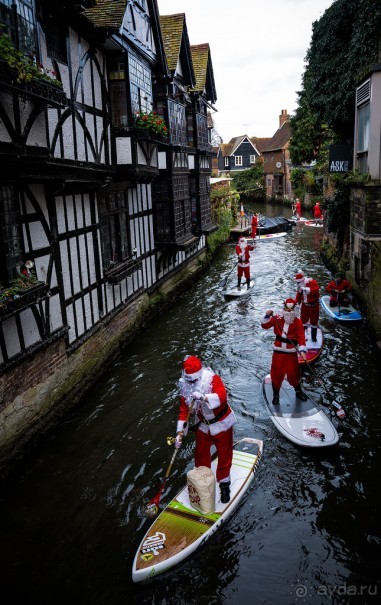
(313, 334)
(248, 283)
(225, 491)
(239, 283)
(299, 393)
(275, 396)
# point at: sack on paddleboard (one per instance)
(202, 489)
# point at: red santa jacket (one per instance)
(341, 285)
(317, 211)
(308, 292)
(215, 414)
(245, 255)
(288, 337)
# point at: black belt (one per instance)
(311, 304)
(287, 352)
(287, 340)
(215, 419)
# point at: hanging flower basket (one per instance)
(150, 125)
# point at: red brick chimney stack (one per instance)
(283, 117)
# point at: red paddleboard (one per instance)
(313, 348)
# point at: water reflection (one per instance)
(72, 518)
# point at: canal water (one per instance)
(308, 530)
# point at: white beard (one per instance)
(289, 317)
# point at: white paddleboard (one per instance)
(298, 220)
(313, 223)
(348, 313)
(271, 235)
(180, 529)
(238, 292)
(301, 422)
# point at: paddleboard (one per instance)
(313, 223)
(271, 235)
(297, 220)
(349, 313)
(301, 422)
(238, 292)
(313, 348)
(180, 529)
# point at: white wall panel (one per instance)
(29, 328)
(75, 268)
(12, 343)
(56, 321)
(123, 150)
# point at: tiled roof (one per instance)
(172, 27)
(226, 148)
(260, 143)
(106, 14)
(200, 58)
(280, 139)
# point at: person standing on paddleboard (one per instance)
(298, 208)
(318, 215)
(243, 250)
(289, 339)
(215, 419)
(254, 225)
(308, 296)
(338, 289)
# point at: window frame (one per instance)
(238, 160)
(10, 230)
(114, 228)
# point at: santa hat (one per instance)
(289, 303)
(299, 277)
(192, 367)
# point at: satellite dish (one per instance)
(29, 264)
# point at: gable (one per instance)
(202, 65)
(177, 47)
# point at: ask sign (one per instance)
(340, 158)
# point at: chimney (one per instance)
(283, 117)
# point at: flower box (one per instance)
(22, 300)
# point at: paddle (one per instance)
(224, 281)
(340, 412)
(152, 507)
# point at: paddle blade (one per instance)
(223, 283)
(151, 510)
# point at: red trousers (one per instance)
(284, 365)
(224, 446)
(310, 314)
(244, 271)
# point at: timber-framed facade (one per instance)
(98, 208)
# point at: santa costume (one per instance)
(243, 250)
(254, 225)
(289, 338)
(317, 211)
(337, 290)
(308, 296)
(215, 418)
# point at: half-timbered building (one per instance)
(103, 189)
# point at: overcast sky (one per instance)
(258, 49)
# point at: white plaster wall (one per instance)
(80, 142)
(91, 254)
(79, 317)
(94, 297)
(75, 266)
(60, 215)
(162, 160)
(68, 140)
(29, 328)
(191, 162)
(70, 321)
(75, 55)
(141, 157)
(65, 270)
(56, 321)
(123, 150)
(38, 236)
(12, 343)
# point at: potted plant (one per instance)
(23, 291)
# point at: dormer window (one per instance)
(118, 92)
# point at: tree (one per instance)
(249, 182)
(344, 40)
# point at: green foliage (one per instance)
(338, 215)
(17, 288)
(26, 70)
(344, 40)
(152, 123)
(249, 182)
(223, 232)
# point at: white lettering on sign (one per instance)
(339, 166)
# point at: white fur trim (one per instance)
(212, 401)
